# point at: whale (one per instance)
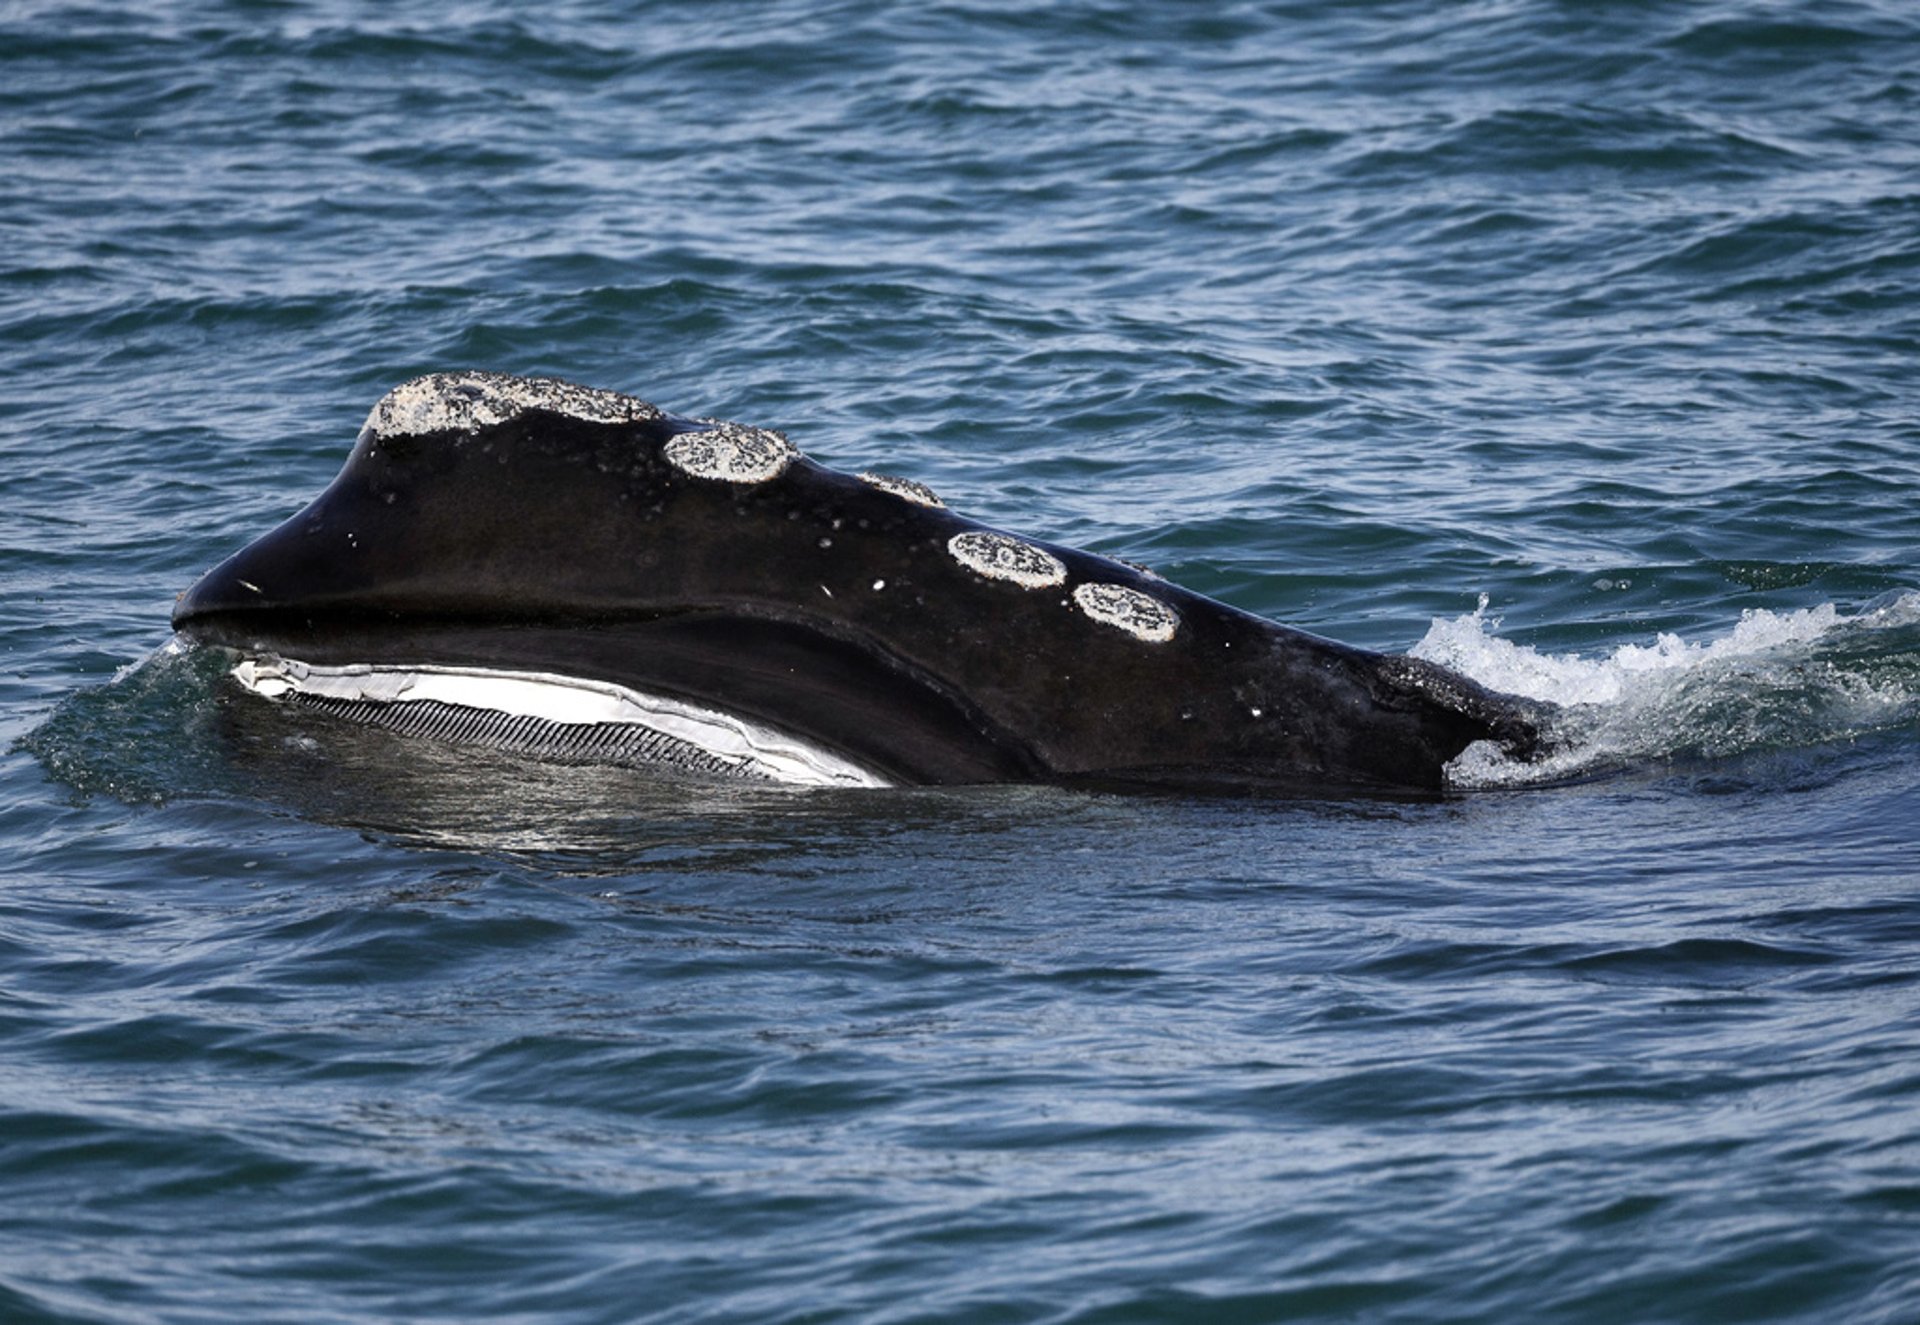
(573, 573)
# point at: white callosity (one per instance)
(1139, 614)
(1003, 557)
(737, 453)
(470, 401)
(731, 453)
(905, 488)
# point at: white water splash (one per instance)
(173, 648)
(1777, 679)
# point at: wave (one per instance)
(1808, 677)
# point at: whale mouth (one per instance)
(543, 715)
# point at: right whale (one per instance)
(574, 573)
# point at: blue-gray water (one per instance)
(1350, 315)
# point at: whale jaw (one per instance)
(548, 716)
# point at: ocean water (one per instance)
(1573, 345)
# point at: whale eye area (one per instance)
(1003, 557)
(905, 488)
(731, 453)
(1141, 615)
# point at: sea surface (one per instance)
(1574, 345)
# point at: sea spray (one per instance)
(1777, 679)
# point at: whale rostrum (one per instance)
(576, 574)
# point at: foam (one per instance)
(1774, 679)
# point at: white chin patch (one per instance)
(556, 717)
